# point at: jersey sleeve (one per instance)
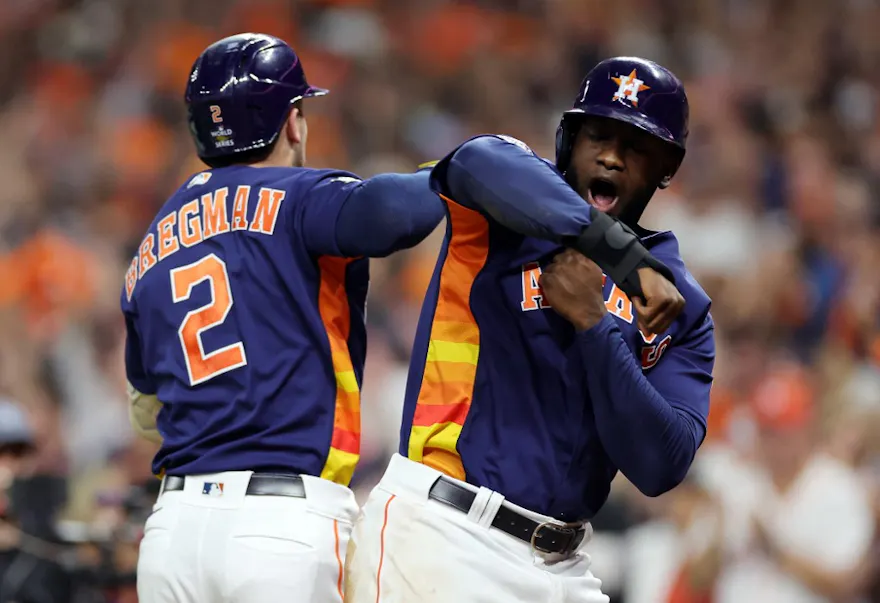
(320, 207)
(505, 180)
(663, 408)
(135, 370)
(663, 411)
(348, 217)
(684, 376)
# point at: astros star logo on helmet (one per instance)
(628, 88)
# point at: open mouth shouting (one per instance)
(602, 194)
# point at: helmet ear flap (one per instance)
(565, 134)
(563, 150)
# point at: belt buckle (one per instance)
(569, 529)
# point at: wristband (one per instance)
(616, 249)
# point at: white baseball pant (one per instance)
(408, 548)
(210, 542)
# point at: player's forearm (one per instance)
(649, 440)
(517, 188)
(524, 193)
(387, 213)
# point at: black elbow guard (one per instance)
(616, 249)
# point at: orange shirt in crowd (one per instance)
(47, 275)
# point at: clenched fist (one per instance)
(662, 304)
(572, 285)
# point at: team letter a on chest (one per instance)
(616, 302)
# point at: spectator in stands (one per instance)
(812, 521)
(28, 570)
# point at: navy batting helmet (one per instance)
(240, 92)
(631, 90)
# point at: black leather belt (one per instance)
(545, 537)
(260, 484)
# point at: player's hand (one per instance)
(572, 286)
(662, 303)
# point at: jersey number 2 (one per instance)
(203, 366)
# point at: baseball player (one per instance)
(244, 311)
(534, 378)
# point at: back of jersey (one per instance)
(247, 325)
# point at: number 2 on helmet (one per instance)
(202, 366)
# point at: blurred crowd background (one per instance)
(776, 209)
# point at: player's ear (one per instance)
(672, 163)
(294, 125)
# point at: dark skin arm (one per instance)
(572, 285)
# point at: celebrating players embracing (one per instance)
(244, 311)
(534, 378)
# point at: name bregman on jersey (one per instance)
(200, 219)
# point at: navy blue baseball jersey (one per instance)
(246, 320)
(505, 394)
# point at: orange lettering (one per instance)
(267, 210)
(214, 212)
(146, 257)
(619, 304)
(533, 296)
(202, 365)
(131, 276)
(239, 208)
(189, 224)
(167, 241)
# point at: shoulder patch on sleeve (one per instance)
(345, 179)
(516, 142)
(199, 179)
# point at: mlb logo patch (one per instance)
(212, 489)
